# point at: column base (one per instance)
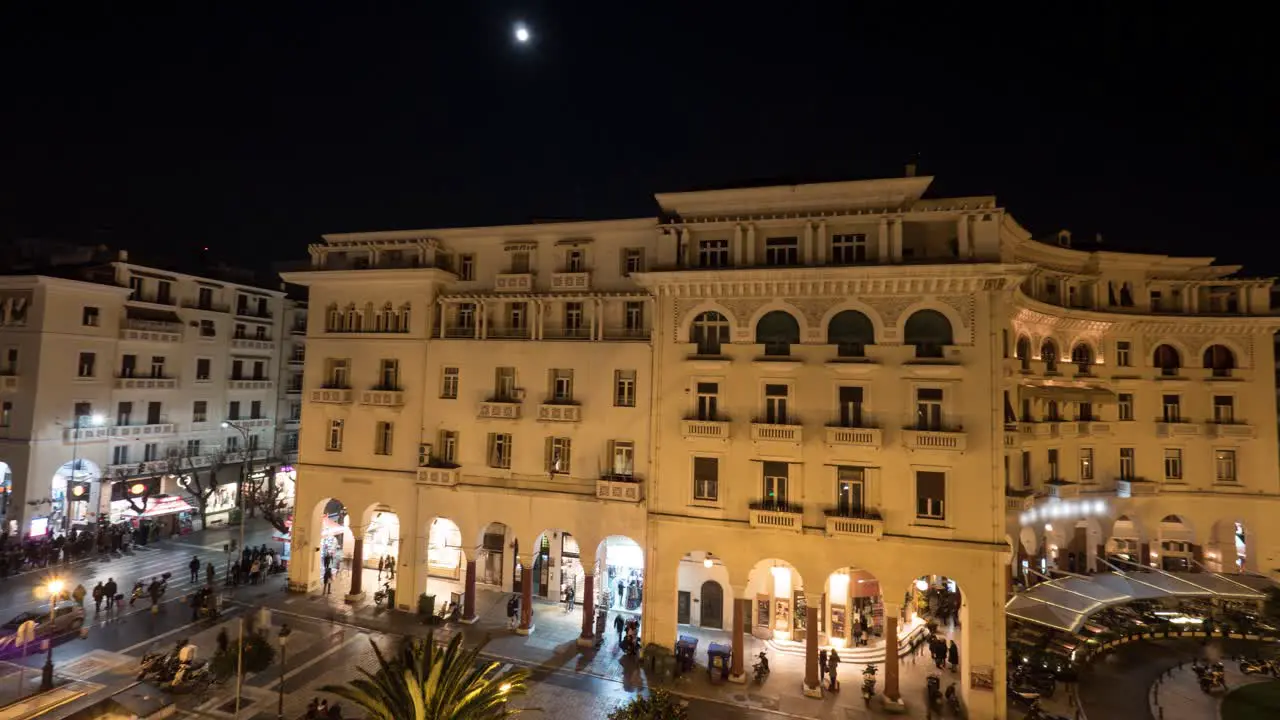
(352, 598)
(524, 630)
(740, 678)
(469, 621)
(894, 707)
(812, 692)
(586, 642)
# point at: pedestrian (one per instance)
(857, 634)
(619, 625)
(328, 580)
(953, 656)
(822, 665)
(209, 574)
(513, 608)
(325, 560)
(109, 592)
(98, 594)
(382, 564)
(255, 569)
(621, 587)
(194, 565)
(391, 572)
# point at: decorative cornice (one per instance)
(839, 282)
(1031, 311)
(570, 296)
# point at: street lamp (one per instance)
(244, 471)
(285, 630)
(95, 420)
(46, 676)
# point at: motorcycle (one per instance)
(380, 596)
(151, 663)
(1256, 666)
(1035, 712)
(934, 688)
(953, 700)
(1043, 682)
(761, 667)
(868, 684)
(1023, 695)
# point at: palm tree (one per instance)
(427, 682)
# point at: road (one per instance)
(319, 652)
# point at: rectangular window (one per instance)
(1026, 469)
(775, 404)
(135, 284)
(575, 261)
(708, 399)
(632, 260)
(848, 249)
(850, 491)
(561, 385)
(1128, 464)
(233, 410)
(124, 413)
(931, 495)
(11, 361)
(775, 490)
(260, 332)
(157, 366)
(1172, 463)
(238, 332)
(558, 455)
(120, 455)
(504, 386)
(713, 253)
(1084, 412)
(128, 366)
(1124, 406)
(850, 406)
(382, 438)
(1224, 465)
(633, 316)
(782, 251)
(466, 267)
(336, 373)
(1224, 409)
(253, 442)
(82, 411)
(1053, 465)
(706, 479)
(1086, 464)
(929, 409)
(448, 449)
(259, 370)
(500, 450)
(202, 368)
(87, 365)
(623, 453)
(518, 316)
(335, 435)
(449, 383)
(573, 318)
(193, 448)
(150, 452)
(520, 261)
(255, 410)
(467, 316)
(163, 289)
(1172, 408)
(389, 374)
(204, 298)
(208, 329)
(1124, 354)
(200, 411)
(624, 388)
(237, 369)
(89, 316)
(6, 414)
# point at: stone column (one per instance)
(469, 595)
(736, 672)
(820, 249)
(357, 569)
(526, 595)
(962, 237)
(738, 253)
(895, 240)
(882, 244)
(587, 638)
(807, 252)
(812, 687)
(751, 244)
(892, 696)
(1144, 554)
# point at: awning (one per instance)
(161, 505)
(1067, 391)
(1065, 603)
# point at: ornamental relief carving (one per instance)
(813, 309)
(743, 310)
(890, 307)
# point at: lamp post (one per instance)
(285, 630)
(46, 676)
(244, 471)
(95, 420)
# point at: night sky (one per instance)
(254, 131)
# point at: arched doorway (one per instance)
(619, 573)
(696, 569)
(711, 600)
(557, 566)
(495, 538)
(1125, 544)
(70, 491)
(853, 612)
(379, 550)
(1178, 551)
(446, 562)
(779, 606)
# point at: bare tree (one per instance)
(266, 496)
(200, 488)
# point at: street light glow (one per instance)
(55, 588)
(97, 419)
(522, 33)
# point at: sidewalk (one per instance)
(1176, 695)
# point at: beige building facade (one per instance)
(793, 404)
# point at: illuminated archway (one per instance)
(853, 609)
(70, 493)
(704, 593)
(778, 607)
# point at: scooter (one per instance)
(380, 596)
(760, 668)
(934, 689)
(868, 684)
(1023, 695)
(953, 700)
(1255, 666)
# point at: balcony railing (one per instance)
(86, 433)
(777, 516)
(235, 456)
(9, 383)
(704, 429)
(1019, 500)
(1176, 429)
(866, 524)
(146, 383)
(571, 281)
(293, 390)
(208, 307)
(514, 282)
(298, 330)
(856, 437)
(1037, 429)
(151, 331)
(341, 396)
(443, 476)
(552, 412)
(1093, 428)
(145, 467)
(297, 359)
(465, 332)
(1135, 487)
(1061, 489)
(934, 439)
(566, 333)
(776, 432)
(500, 409)
(626, 333)
(243, 384)
(382, 398)
(508, 333)
(622, 488)
(140, 431)
(253, 313)
(252, 344)
(1011, 438)
(1238, 431)
(247, 423)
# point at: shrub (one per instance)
(659, 705)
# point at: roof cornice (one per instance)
(307, 278)
(1029, 309)
(841, 281)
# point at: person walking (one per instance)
(328, 580)
(619, 625)
(78, 595)
(953, 656)
(822, 666)
(833, 663)
(98, 593)
(194, 565)
(209, 574)
(109, 592)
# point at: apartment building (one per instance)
(788, 405)
(116, 380)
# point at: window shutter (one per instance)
(550, 449)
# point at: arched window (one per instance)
(1166, 358)
(1082, 356)
(777, 331)
(850, 331)
(1220, 360)
(1023, 350)
(709, 331)
(1049, 356)
(929, 331)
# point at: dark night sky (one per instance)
(255, 131)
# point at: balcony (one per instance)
(508, 333)
(248, 312)
(1061, 489)
(514, 282)
(772, 432)
(251, 423)
(382, 398)
(241, 384)
(861, 525)
(1136, 487)
(1231, 431)
(340, 396)
(151, 331)
(465, 332)
(777, 516)
(552, 412)
(298, 330)
(297, 359)
(619, 487)
(1011, 439)
(239, 456)
(704, 429)
(625, 334)
(253, 344)
(136, 383)
(9, 383)
(86, 433)
(1176, 429)
(1035, 430)
(143, 431)
(854, 436)
(1019, 500)
(293, 390)
(207, 307)
(1092, 428)
(500, 410)
(442, 476)
(292, 423)
(571, 281)
(934, 440)
(147, 467)
(566, 333)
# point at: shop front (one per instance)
(381, 539)
(444, 551)
(624, 568)
(330, 530)
(165, 515)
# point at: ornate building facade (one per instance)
(789, 406)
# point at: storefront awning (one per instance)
(159, 506)
(1067, 391)
(1065, 603)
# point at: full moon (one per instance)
(522, 33)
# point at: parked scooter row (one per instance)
(1211, 677)
(1258, 666)
(176, 669)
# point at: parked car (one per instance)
(68, 617)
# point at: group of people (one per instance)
(19, 554)
(628, 633)
(630, 590)
(828, 662)
(319, 709)
(252, 565)
(386, 564)
(943, 652)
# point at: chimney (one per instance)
(911, 169)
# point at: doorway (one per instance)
(683, 601)
(712, 601)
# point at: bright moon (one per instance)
(522, 33)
